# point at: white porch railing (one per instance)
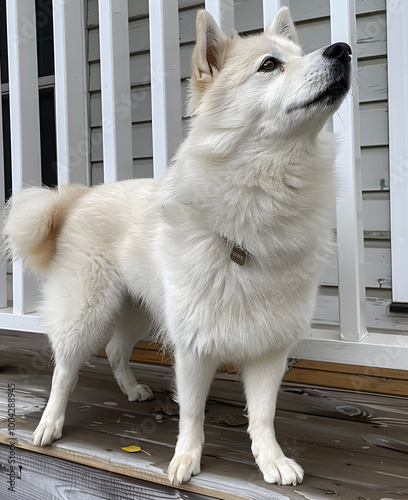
(351, 342)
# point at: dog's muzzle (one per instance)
(338, 58)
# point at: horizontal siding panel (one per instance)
(252, 9)
(374, 126)
(142, 168)
(330, 275)
(138, 39)
(93, 45)
(140, 68)
(301, 10)
(187, 25)
(139, 72)
(249, 13)
(372, 35)
(96, 173)
(372, 80)
(368, 6)
(314, 35)
(186, 52)
(96, 110)
(190, 3)
(141, 140)
(92, 18)
(376, 215)
(378, 316)
(96, 145)
(139, 8)
(139, 34)
(94, 76)
(377, 267)
(136, 8)
(309, 9)
(326, 310)
(375, 169)
(140, 104)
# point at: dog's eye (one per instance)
(269, 64)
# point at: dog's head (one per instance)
(266, 80)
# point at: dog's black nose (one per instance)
(340, 51)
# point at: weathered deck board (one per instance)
(349, 381)
(370, 371)
(351, 444)
(47, 478)
(360, 378)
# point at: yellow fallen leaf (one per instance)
(134, 449)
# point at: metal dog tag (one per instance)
(239, 255)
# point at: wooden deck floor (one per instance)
(352, 444)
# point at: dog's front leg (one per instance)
(194, 374)
(262, 378)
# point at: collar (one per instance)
(238, 253)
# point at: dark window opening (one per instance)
(3, 43)
(47, 137)
(45, 59)
(45, 41)
(6, 145)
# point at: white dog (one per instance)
(222, 250)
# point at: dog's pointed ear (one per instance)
(283, 26)
(208, 57)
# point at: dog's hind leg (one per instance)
(131, 326)
(70, 352)
(194, 374)
(79, 307)
(63, 383)
(262, 378)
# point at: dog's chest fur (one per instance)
(211, 303)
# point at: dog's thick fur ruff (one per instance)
(255, 172)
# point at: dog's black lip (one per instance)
(330, 95)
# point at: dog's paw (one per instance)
(282, 471)
(183, 466)
(139, 392)
(47, 432)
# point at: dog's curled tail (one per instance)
(33, 218)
